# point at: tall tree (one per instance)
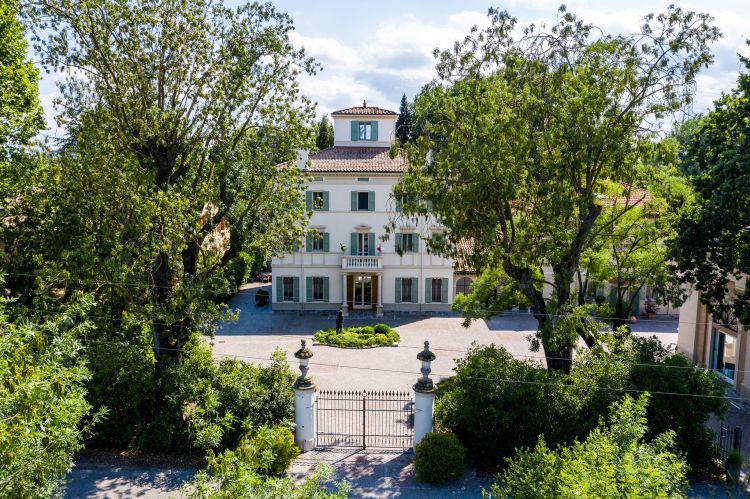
(190, 106)
(712, 245)
(524, 134)
(324, 138)
(405, 132)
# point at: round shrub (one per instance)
(381, 329)
(439, 458)
(261, 297)
(366, 331)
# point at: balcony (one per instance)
(361, 262)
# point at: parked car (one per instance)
(264, 276)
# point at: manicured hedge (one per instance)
(439, 458)
(359, 337)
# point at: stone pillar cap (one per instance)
(303, 352)
(426, 354)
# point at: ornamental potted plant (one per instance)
(650, 306)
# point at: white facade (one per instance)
(349, 265)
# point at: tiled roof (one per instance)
(357, 159)
(364, 110)
(464, 251)
(634, 196)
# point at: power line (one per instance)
(442, 375)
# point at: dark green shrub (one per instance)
(261, 297)
(439, 457)
(381, 329)
(357, 337)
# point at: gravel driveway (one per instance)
(259, 331)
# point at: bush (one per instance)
(439, 457)
(269, 449)
(612, 462)
(358, 337)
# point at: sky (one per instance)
(380, 50)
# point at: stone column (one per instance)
(304, 403)
(379, 308)
(344, 305)
(424, 396)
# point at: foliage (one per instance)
(324, 137)
(521, 136)
(209, 405)
(613, 461)
(20, 112)
(405, 126)
(358, 337)
(439, 458)
(496, 404)
(249, 471)
(712, 244)
(42, 403)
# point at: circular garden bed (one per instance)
(379, 335)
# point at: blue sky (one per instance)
(381, 50)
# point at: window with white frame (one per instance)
(363, 244)
(318, 200)
(288, 286)
(409, 242)
(724, 354)
(317, 241)
(365, 130)
(317, 288)
(363, 201)
(437, 290)
(406, 286)
(463, 286)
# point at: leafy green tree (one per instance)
(405, 127)
(524, 134)
(42, 403)
(712, 244)
(21, 115)
(324, 139)
(189, 106)
(613, 461)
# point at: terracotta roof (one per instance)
(635, 196)
(364, 110)
(357, 159)
(464, 251)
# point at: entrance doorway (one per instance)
(362, 291)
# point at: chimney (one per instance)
(302, 157)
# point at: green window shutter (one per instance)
(355, 131)
(371, 244)
(415, 243)
(399, 243)
(325, 200)
(398, 290)
(374, 131)
(308, 288)
(308, 242)
(354, 200)
(370, 201)
(398, 205)
(326, 290)
(296, 289)
(444, 289)
(326, 242)
(279, 289)
(428, 290)
(354, 243)
(415, 290)
(308, 200)
(429, 205)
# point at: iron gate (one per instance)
(364, 419)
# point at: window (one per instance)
(406, 290)
(317, 179)
(463, 286)
(363, 179)
(317, 241)
(317, 288)
(409, 243)
(365, 130)
(288, 285)
(437, 290)
(318, 200)
(724, 354)
(363, 201)
(363, 243)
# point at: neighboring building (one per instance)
(719, 343)
(347, 265)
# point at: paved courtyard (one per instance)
(259, 331)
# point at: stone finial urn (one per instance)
(425, 384)
(304, 355)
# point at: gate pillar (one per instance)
(424, 396)
(304, 403)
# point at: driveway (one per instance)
(259, 331)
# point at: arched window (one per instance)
(463, 285)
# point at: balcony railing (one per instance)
(362, 262)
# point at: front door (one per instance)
(362, 291)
